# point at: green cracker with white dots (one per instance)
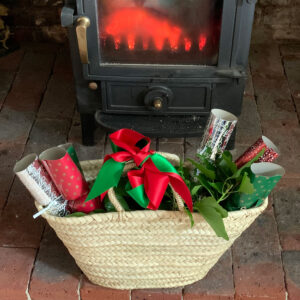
(264, 177)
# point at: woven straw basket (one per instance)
(145, 249)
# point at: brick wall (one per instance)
(40, 20)
(278, 19)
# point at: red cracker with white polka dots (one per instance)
(67, 177)
(70, 183)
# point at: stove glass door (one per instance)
(185, 32)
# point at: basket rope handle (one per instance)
(173, 158)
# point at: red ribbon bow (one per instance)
(127, 139)
(155, 172)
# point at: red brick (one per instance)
(286, 136)
(47, 133)
(191, 146)
(291, 262)
(217, 285)
(10, 153)
(266, 58)
(89, 291)
(17, 227)
(35, 17)
(59, 99)
(15, 270)
(8, 156)
(6, 80)
(290, 50)
(248, 126)
(287, 206)
(157, 294)
(11, 62)
(6, 180)
(55, 274)
(249, 90)
(40, 47)
(288, 182)
(172, 140)
(87, 152)
(171, 148)
(257, 262)
(15, 126)
(292, 69)
(53, 33)
(271, 87)
(30, 82)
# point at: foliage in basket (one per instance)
(210, 184)
(213, 182)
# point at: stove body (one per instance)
(157, 66)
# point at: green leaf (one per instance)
(97, 211)
(218, 186)
(225, 165)
(76, 214)
(187, 211)
(109, 206)
(246, 186)
(213, 213)
(227, 157)
(208, 163)
(248, 164)
(205, 183)
(208, 173)
(195, 189)
(123, 202)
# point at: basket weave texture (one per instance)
(145, 249)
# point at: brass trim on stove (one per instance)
(82, 24)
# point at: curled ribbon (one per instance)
(149, 182)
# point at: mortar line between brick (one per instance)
(42, 98)
(13, 80)
(184, 149)
(72, 119)
(46, 86)
(157, 144)
(79, 286)
(33, 266)
(106, 140)
(288, 83)
(16, 247)
(232, 268)
(283, 269)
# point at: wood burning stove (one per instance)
(157, 66)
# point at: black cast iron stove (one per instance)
(157, 66)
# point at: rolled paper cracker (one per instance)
(82, 206)
(38, 182)
(64, 172)
(217, 133)
(68, 179)
(270, 154)
(264, 177)
(36, 179)
(71, 150)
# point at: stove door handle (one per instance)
(82, 24)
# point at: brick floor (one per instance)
(37, 106)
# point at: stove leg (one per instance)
(87, 128)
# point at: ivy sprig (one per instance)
(212, 182)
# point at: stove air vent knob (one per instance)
(158, 98)
(157, 103)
